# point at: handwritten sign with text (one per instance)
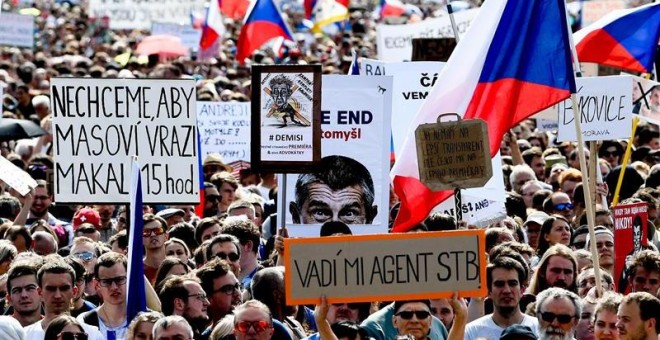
(385, 267)
(224, 128)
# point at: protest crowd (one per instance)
(217, 271)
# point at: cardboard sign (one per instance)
(189, 36)
(224, 128)
(412, 82)
(433, 49)
(606, 108)
(286, 107)
(395, 41)
(16, 30)
(645, 104)
(630, 235)
(594, 10)
(15, 177)
(386, 267)
(453, 154)
(99, 124)
(355, 124)
(138, 14)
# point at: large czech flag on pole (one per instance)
(213, 27)
(514, 61)
(625, 39)
(262, 23)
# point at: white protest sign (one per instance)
(99, 124)
(412, 83)
(16, 30)
(395, 41)
(646, 99)
(546, 125)
(15, 177)
(606, 107)
(189, 36)
(388, 267)
(138, 14)
(355, 137)
(224, 128)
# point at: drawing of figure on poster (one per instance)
(288, 100)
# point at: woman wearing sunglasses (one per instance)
(65, 327)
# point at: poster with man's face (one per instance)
(351, 185)
(646, 99)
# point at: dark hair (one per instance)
(185, 232)
(211, 270)
(440, 222)
(15, 231)
(507, 263)
(148, 218)
(55, 267)
(164, 269)
(244, 230)
(515, 205)
(204, 224)
(121, 238)
(56, 326)
(222, 238)
(173, 288)
(9, 207)
(76, 265)
(19, 269)
(108, 260)
(545, 229)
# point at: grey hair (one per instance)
(558, 293)
(521, 169)
(168, 321)
(7, 249)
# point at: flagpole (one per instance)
(583, 163)
(450, 10)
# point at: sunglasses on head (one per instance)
(85, 255)
(564, 206)
(73, 336)
(420, 314)
(562, 318)
(233, 257)
(153, 232)
(259, 326)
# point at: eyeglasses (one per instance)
(229, 289)
(199, 296)
(153, 232)
(233, 257)
(73, 336)
(420, 314)
(119, 281)
(562, 318)
(85, 256)
(212, 198)
(564, 206)
(259, 326)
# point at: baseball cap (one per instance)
(537, 217)
(518, 332)
(86, 215)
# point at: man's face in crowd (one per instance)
(228, 194)
(528, 190)
(559, 272)
(121, 222)
(584, 329)
(520, 180)
(176, 331)
(57, 292)
(108, 284)
(416, 326)
(42, 201)
(606, 221)
(251, 179)
(605, 245)
(550, 327)
(210, 232)
(645, 281)
(324, 205)
(533, 230)
(630, 324)
(505, 290)
(196, 306)
(343, 312)
(587, 280)
(188, 212)
(227, 250)
(105, 211)
(24, 296)
(157, 235)
(212, 202)
(538, 165)
(568, 187)
(562, 198)
(253, 317)
(86, 252)
(442, 310)
(223, 298)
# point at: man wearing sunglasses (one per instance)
(86, 251)
(184, 296)
(559, 203)
(222, 287)
(558, 312)
(253, 321)
(249, 239)
(225, 247)
(154, 236)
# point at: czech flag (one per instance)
(625, 39)
(309, 8)
(199, 209)
(391, 8)
(354, 69)
(136, 298)
(262, 23)
(235, 9)
(514, 61)
(213, 26)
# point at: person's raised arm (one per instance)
(457, 331)
(21, 218)
(279, 245)
(322, 324)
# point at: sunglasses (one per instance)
(153, 232)
(233, 257)
(420, 314)
(119, 281)
(85, 256)
(259, 326)
(73, 336)
(610, 154)
(229, 289)
(212, 198)
(562, 318)
(564, 206)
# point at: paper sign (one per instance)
(16, 30)
(395, 41)
(385, 267)
(630, 229)
(355, 124)
(546, 125)
(224, 128)
(606, 107)
(453, 154)
(189, 36)
(646, 99)
(15, 177)
(99, 124)
(139, 14)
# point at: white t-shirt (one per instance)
(484, 327)
(120, 332)
(36, 332)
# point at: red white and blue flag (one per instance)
(514, 61)
(263, 22)
(392, 8)
(213, 27)
(136, 298)
(625, 39)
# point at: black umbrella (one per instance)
(15, 129)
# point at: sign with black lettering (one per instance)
(224, 128)
(286, 109)
(385, 267)
(98, 125)
(16, 177)
(140, 14)
(432, 49)
(453, 154)
(606, 109)
(630, 230)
